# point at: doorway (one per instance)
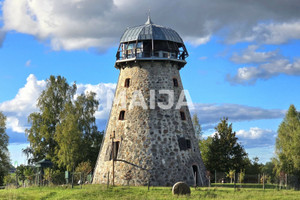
(195, 173)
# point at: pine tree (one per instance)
(225, 153)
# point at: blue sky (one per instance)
(244, 59)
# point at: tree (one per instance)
(288, 142)
(69, 140)
(225, 153)
(29, 174)
(230, 175)
(86, 106)
(252, 166)
(204, 146)
(197, 126)
(85, 168)
(268, 169)
(20, 173)
(64, 130)
(4, 155)
(43, 123)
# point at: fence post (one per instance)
(286, 179)
(80, 180)
(209, 181)
(73, 178)
(234, 181)
(264, 181)
(215, 176)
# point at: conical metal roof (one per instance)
(150, 31)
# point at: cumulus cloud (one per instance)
(210, 114)
(249, 75)
(256, 137)
(273, 33)
(78, 24)
(104, 93)
(250, 55)
(18, 109)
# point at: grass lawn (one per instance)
(101, 192)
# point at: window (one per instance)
(182, 115)
(122, 115)
(188, 144)
(184, 144)
(115, 150)
(127, 82)
(175, 82)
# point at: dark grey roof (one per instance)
(149, 31)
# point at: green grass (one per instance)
(101, 192)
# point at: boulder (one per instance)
(181, 188)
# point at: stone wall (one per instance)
(149, 138)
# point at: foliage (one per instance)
(47, 174)
(288, 142)
(268, 169)
(4, 155)
(225, 153)
(230, 175)
(242, 176)
(20, 173)
(29, 174)
(85, 168)
(69, 139)
(197, 126)
(64, 130)
(253, 166)
(204, 146)
(9, 179)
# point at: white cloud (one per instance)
(104, 93)
(272, 33)
(76, 24)
(210, 114)
(253, 133)
(18, 109)
(256, 137)
(250, 55)
(249, 75)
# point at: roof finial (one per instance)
(149, 19)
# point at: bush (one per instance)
(9, 179)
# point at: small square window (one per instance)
(122, 115)
(182, 144)
(175, 82)
(182, 115)
(127, 82)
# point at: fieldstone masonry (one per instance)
(158, 141)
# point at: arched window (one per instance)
(127, 82)
(122, 115)
(175, 82)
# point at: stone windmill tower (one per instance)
(149, 136)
